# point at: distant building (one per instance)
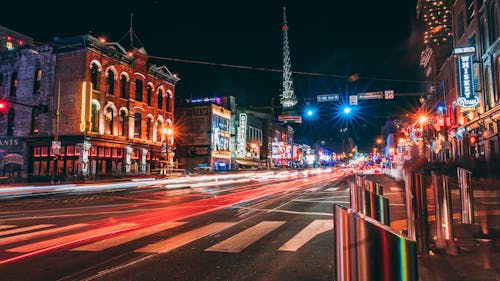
(203, 139)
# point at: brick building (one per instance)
(111, 111)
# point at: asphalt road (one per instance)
(280, 229)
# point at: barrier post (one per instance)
(466, 195)
(410, 204)
(443, 210)
(422, 229)
(354, 197)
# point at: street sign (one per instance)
(326, 98)
(389, 94)
(353, 100)
(56, 147)
(371, 95)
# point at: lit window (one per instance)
(38, 81)
(94, 76)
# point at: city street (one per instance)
(275, 227)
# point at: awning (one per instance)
(247, 162)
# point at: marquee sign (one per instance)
(466, 99)
(241, 139)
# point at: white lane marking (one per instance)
(312, 189)
(332, 189)
(127, 237)
(70, 238)
(22, 229)
(175, 242)
(307, 234)
(26, 236)
(6, 226)
(240, 241)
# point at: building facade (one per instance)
(203, 136)
(109, 111)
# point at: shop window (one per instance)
(107, 152)
(10, 122)
(93, 151)
(100, 150)
(138, 89)
(111, 82)
(149, 93)
(38, 81)
(44, 151)
(94, 76)
(70, 150)
(13, 84)
(137, 125)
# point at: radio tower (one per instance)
(288, 100)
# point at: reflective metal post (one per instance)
(354, 197)
(442, 206)
(422, 232)
(410, 204)
(466, 195)
(378, 189)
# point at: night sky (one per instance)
(372, 39)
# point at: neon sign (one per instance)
(242, 136)
(467, 98)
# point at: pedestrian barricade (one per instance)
(368, 250)
(368, 202)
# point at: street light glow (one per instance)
(347, 110)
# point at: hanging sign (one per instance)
(466, 99)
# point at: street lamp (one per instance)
(166, 149)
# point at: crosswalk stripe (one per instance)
(307, 234)
(240, 241)
(127, 237)
(6, 226)
(185, 238)
(26, 236)
(23, 229)
(70, 238)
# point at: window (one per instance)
(95, 117)
(111, 82)
(469, 5)
(160, 98)
(159, 126)
(137, 125)
(13, 84)
(123, 86)
(167, 105)
(35, 114)
(124, 122)
(149, 92)
(148, 129)
(110, 119)
(10, 122)
(460, 24)
(38, 81)
(138, 89)
(94, 76)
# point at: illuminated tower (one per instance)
(436, 17)
(288, 100)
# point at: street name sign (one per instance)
(371, 95)
(327, 98)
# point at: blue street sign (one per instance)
(326, 98)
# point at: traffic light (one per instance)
(472, 140)
(4, 106)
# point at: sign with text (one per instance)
(326, 98)
(353, 100)
(467, 99)
(241, 137)
(371, 95)
(465, 50)
(389, 95)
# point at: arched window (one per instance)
(111, 82)
(110, 119)
(168, 99)
(38, 81)
(13, 84)
(123, 86)
(148, 129)
(138, 89)
(149, 93)
(94, 76)
(159, 126)
(160, 98)
(124, 123)
(10, 122)
(94, 117)
(35, 114)
(137, 125)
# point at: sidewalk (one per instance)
(474, 253)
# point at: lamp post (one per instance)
(167, 134)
